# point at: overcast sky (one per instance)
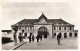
(13, 12)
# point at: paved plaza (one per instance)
(51, 44)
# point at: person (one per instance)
(37, 37)
(25, 35)
(58, 38)
(30, 38)
(33, 38)
(20, 37)
(15, 39)
(22, 34)
(41, 37)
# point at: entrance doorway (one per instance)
(43, 32)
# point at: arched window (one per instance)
(70, 28)
(65, 35)
(54, 34)
(59, 28)
(75, 34)
(64, 28)
(28, 29)
(22, 31)
(70, 34)
(54, 28)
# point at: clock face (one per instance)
(42, 21)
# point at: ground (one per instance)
(51, 44)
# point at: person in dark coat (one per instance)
(58, 38)
(37, 37)
(40, 37)
(15, 39)
(30, 38)
(33, 38)
(25, 35)
(20, 37)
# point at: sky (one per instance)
(13, 12)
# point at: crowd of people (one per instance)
(31, 37)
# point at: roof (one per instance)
(59, 21)
(27, 21)
(53, 21)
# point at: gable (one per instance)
(42, 21)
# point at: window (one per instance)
(75, 34)
(54, 28)
(70, 28)
(22, 31)
(54, 34)
(65, 35)
(59, 28)
(25, 27)
(64, 28)
(28, 29)
(30, 33)
(70, 34)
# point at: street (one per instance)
(51, 44)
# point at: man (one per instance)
(41, 37)
(37, 37)
(15, 38)
(30, 38)
(33, 38)
(25, 35)
(20, 37)
(58, 38)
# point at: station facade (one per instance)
(46, 27)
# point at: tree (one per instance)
(15, 28)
